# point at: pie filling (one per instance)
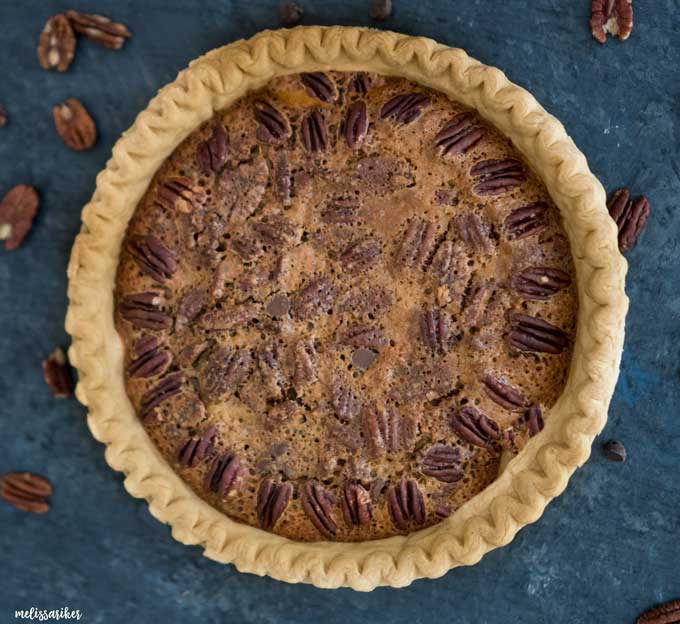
(343, 300)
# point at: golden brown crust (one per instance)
(539, 472)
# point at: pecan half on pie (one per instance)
(342, 299)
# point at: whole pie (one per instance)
(343, 299)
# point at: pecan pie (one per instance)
(343, 299)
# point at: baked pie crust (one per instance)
(526, 484)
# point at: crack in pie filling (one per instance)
(344, 299)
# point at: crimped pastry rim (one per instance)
(538, 474)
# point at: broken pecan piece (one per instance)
(474, 232)
(435, 327)
(150, 360)
(443, 262)
(341, 210)
(17, 211)
(269, 365)
(526, 221)
(387, 431)
(460, 135)
(274, 127)
(356, 504)
(494, 177)
(405, 503)
(360, 83)
(364, 336)
(667, 613)
(196, 448)
(502, 393)
(223, 372)
(614, 17)
(143, 311)
(163, 390)
(346, 405)
(224, 475)
(360, 254)
(74, 125)
(190, 306)
(211, 154)
(313, 132)
(304, 368)
(26, 491)
(57, 44)
(475, 428)
(275, 230)
(356, 124)
(533, 334)
(405, 108)
(272, 500)
(313, 298)
(153, 257)
(539, 282)
(57, 374)
(630, 216)
(318, 503)
(534, 420)
(442, 462)
(99, 29)
(417, 243)
(179, 194)
(319, 86)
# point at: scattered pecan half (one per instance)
(313, 132)
(630, 216)
(418, 243)
(474, 232)
(272, 500)
(460, 135)
(356, 124)
(614, 17)
(273, 127)
(153, 257)
(442, 462)
(494, 177)
(290, 14)
(143, 311)
(225, 475)
(501, 392)
(223, 371)
(211, 154)
(405, 108)
(180, 194)
(526, 221)
(163, 390)
(360, 254)
(99, 29)
(435, 329)
(57, 44)
(405, 503)
(313, 298)
(57, 374)
(533, 334)
(356, 504)
(667, 613)
(197, 448)
(74, 125)
(318, 503)
(387, 431)
(360, 83)
(149, 358)
(319, 86)
(26, 491)
(475, 428)
(17, 211)
(540, 282)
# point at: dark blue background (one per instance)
(605, 550)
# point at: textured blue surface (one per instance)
(602, 552)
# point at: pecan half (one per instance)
(533, 334)
(225, 475)
(387, 431)
(360, 254)
(474, 232)
(630, 216)
(405, 503)
(74, 125)
(150, 360)
(26, 491)
(418, 243)
(275, 230)
(346, 405)
(443, 262)
(364, 336)
(57, 374)
(494, 177)
(153, 257)
(319, 86)
(460, 135)
(526, 221)
(313, 132)
(190, 306)
(614, 17)
(211, 154)
(667, 613)
(196, 448)
(501, 392)
(269, 365)
(475, 428)
(17, 211)
(442, 462)
(534, 420)
(435, 328)
(143, 311)
(405, 108)
(272, 500)
(57, 44)
(99, 29)
(356, 124)
(163, 390)
(223, 372)
(304, 369)
(360, 83)
(539, 282)
(313, 299)
(179, 194)
(356, 504)
(274, 127)
(318, 503)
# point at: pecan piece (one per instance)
(3, 116)
(211, 154)
(435, 328)
(443, 262)
(272, 500)
(526, 221)
(346, 436)
(196, 448)
(364, 358)
(153, 257)
(356, 124)
(534, 420)
(360, 254)
(150, 360)
(99, 29)
(313, 298)
(190, 306)
(304, 367)
(494, 177)
(364, 336)
(405, 108)
(74, 125)
(57, 374)
(417, 243)
(283, 180)
(356, 504)
(539, 282)
(179, 194)
(380, 9)
(360, 83)
(275, 230)
(163, 390)
(533, 334)
(143, 311)
(17, 211)
(225, 475)
(473, 232)
(223, 372)
(341, 210)
(57, 44)
(245, 247)
(442, 462)
(313, 132)
(26, 491)
(614, 17)
(387, 431)
(319, 86)
(475, 428)
(460, 135)
(290, 14)
(278, 306)
(274, 126)
(343, 400)
(630, 216)
(318, 503)
(269, 365)
(405, 503)
(502, 393)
